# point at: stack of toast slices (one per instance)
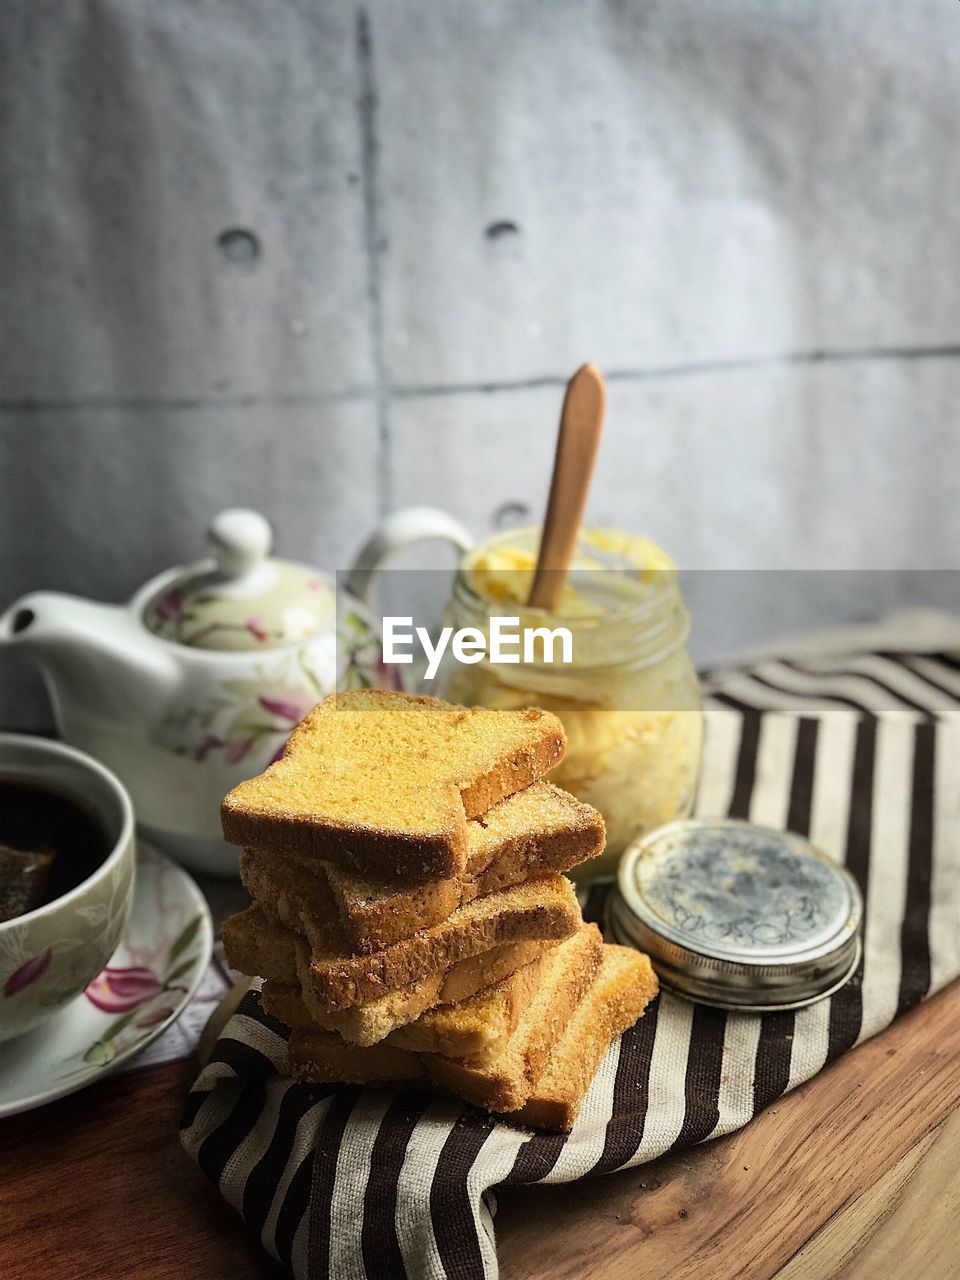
(411, 920)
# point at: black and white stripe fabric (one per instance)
(862, 753)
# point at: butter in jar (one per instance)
(629, 699)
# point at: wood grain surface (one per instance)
(823, 1173)
(856, 1175)
(97, 1187)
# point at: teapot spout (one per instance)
(96, 658)
(54, 626)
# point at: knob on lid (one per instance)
(242, 599)
(240, 538)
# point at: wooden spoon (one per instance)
(580, 424)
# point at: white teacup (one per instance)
(49, 955)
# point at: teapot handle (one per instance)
(408, 525)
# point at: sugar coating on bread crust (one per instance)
(471, 1027)
(375, 913)
(339, 977)
(549, 1079)
(539, 830)
(532, 833)
(537, 910)
(620, 993)
(287, 894)
(258, 946)
(499, 1082)
(524, 822)
(504, 1083)
(385, 782)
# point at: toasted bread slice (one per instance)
(498, 1081)
(537, 831)
(321, 1057)
(375, 913)
(385, 782)
(477, 1025)
(285, 1002)
(504, 1082)
(532, 833)
(541, 1075)
(287, 893)
(258, 946)
(618, 996)
(338, 978)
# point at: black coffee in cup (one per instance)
(49, 843)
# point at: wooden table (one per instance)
(857, 1174)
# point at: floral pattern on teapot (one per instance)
(273, 603)
(250, 717)
(196, 682)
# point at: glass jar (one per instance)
(629, 700)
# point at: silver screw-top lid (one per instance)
(736, 915)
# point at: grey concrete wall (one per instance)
(746, 213)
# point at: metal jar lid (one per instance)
(738, 916)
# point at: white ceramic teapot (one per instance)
(196, 683)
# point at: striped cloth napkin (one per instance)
(859, 751)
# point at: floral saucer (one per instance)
(151, 977)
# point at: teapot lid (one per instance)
(242, 599)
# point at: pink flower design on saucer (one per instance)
(120, 990)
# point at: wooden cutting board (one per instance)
(857, 1174)
(856, 1168)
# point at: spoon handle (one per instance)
(579, 436)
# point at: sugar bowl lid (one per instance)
(738, 916)
(241, 598)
